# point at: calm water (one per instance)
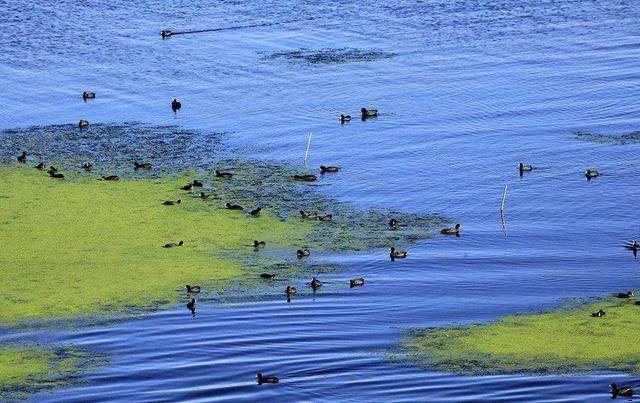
(466, 90)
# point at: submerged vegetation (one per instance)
(331, 55)
(627, 138)
(560, 341)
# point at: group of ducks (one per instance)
(175, 106)
(589, 173)
(87, 166)
(365, 114)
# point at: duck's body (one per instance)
(88, 95)
(627, 294)
(52, 170)
(191, 305)
(267, 276)
(171, 202)
(300, 253)
(187, 187)
(345, 118)
(255, 212)
(325, 169)
(451, 231)
(598, 314)
(111, 178)
(22, 158)
(308, 216)
(173, 244)
(326, 217)
(259, 244)
(290, 291)
(165, 33)
(204, 195)
(305, 178)
(194, 289)
(40, 166)
(56, 175)
(368, 113)
(591, 173)
(87, 166)
(233, 206)
(223, 175)
(197, 183)
(83, 123)
(141, 165)
(397, 254)
(525, 167)
(315, 283)
(633, 245)
(266, 379)
(175, 105)
(626, 391)
(393, 223)
(356, 282)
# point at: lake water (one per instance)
(466, 90)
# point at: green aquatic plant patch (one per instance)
(560, 341)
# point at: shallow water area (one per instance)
(474, 88)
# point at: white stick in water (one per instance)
(306, 153)
(504, 197)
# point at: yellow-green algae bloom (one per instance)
(560, 341)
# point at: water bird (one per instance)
(40, 166)
(259, 244)
(173, 244)
(345, 118)
(88, 95)
(165, 33)
(356, 282)
(52, 170)
(627, 294)
(305, 178)
(266, 379)
(315, 283)
(175, 105)
(290, 290)
(83, 123)
(197, 183)
(326, 217)
(308, 216)
(191, 305)
(223, 175)
(188, 186)
(598, 314)
(324, 169)
(591, 173)
(194, 289)
(451, 231)
(255, 212)
(111, 178)
(633, 245)
(393, 223)
(56, 174)
(368, 113)
(267, 276)
(171, 202)
(620, 391)
(397, 254)
(524, 168)
(300, 253)
(141, 165)
(22, 158)
(204, 195)
(87, 166)
(233, 206)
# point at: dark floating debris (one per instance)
(330, 55)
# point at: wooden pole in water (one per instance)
(306, 153)
(504, 198)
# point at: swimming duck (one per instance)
(345, 118)
(52, 170)
(175, 105)
(451, 231)
(368, 113)
(204, 195)
(598, 314)
(356, 282)
(83, 123)
(620, 391)
(315, 283)
(308, 216)
(627, 294)
(524, 168)
(166, 33)
(173, 244)
(111, 178)
(290, 290)
(633, 245)
(267, 276)
(22, 158)
(88, 95)
(591, 173)
(259, 244)
(40, 166)
(300, 253)
(194, 289)
(56, 174)
(223, 175)
(393, 223)
(197, 183)
(305, 178)
(324, 169)
(266, 379)
(255, 212)
(171, 202)
(187, 187)
(141, 165)
(326, 217)
(191, 305)
(87, 166)
(397, 254)
(233, 206)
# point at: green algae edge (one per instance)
(84, 246)
(565, 340)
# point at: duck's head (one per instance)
(392, 249)
(457, 226)
(363, 110)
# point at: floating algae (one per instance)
(628, 138)
(330, 55)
